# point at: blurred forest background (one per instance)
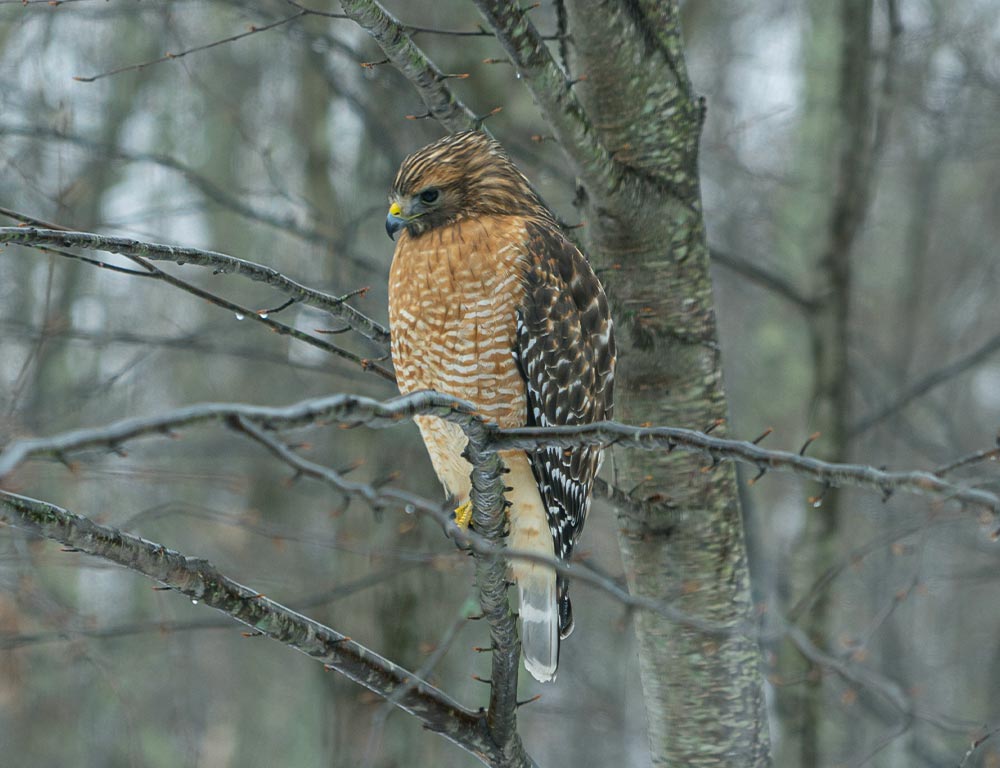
(279, 148)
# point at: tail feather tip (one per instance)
(540, 634)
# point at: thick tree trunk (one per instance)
(704, 695)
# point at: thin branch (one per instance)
(976, 457)
(424, 672)
(890, 75)
(869, 679)
(411, 61)
(774, 282)
(219, 262)
(374, 413)
(856, 555)
(638, 507)
(718, 449)
(335, 408)
(203, 583)
(554, 94)
(94, 262)
(241, 312)
(253, 30)
(927, 383)
(900, 702)
(192, 342)
(261, 317)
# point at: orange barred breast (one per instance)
(453, 299)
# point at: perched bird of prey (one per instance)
(489, 302)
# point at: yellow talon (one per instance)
(463, 515)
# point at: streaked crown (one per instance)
(463, 175)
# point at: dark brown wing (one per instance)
(565, 349)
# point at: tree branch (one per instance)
(411, 61)
(717, 449)
(253, 30)
(219, 262)
(335, 408)
(774, 282)
(929, 382)
(154, 273)
(485, 548)
(553, 92)
(362, 410)
(202, 582)
(256, 421)
(490, 519)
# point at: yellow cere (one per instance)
(395, 210)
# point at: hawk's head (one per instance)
(460, 176)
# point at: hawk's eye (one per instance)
(429, 195)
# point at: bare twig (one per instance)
(407, 57)
(441, 649)
(253, 30)
(856, 555)
(219, 262)
(717, 449)
(238, 310)
(929, 382)
(992, 454)
(774, 282)
(189, 342)
(261, 317)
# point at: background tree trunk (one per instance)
(850, 135)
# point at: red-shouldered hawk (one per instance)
(489, 302)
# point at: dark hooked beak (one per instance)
(394, 222)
